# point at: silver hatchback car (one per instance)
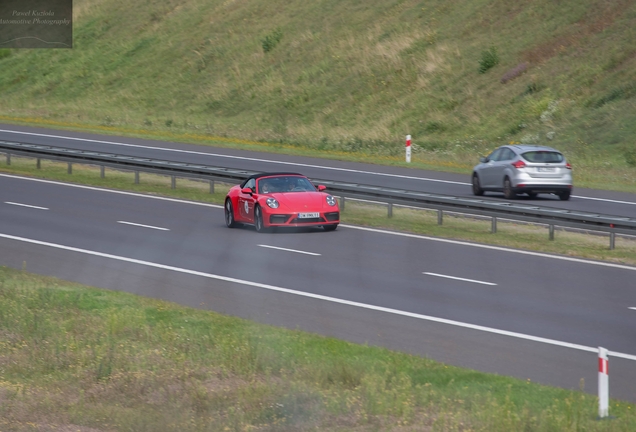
(529, 169)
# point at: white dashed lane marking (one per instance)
(290, 250)
(25, 205)
(459, 279)
(143, 226)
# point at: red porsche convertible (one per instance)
(270, 200)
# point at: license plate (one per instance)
(308, 215)
(546, 169)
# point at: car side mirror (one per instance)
(321, 188)
(483, 159)
(247, 190)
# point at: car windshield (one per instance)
(543, 156)
(285, 184)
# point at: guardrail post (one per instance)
(612, 240)
(8, 158)
(102, 171)
(173, 183)
(38, 165)
(342, 203)
(390, 210)
(493, 225)
(136, 177)
(603, 383)
(211, 186)
(551, 230)
(440, 217)
(70, 168)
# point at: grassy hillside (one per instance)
(351, 76)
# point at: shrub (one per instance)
(271, 40)
(434, 126)
(531, 88)
(630, 156)
(514, 72)
(4, 53)
(624, 92)
(489, 59)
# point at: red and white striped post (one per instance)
(603, 383)
(408, 149)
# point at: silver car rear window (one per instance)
(542, 156)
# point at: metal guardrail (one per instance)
(473, 206)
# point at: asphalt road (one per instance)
(527, 315)
(587, 200)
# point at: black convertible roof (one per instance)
(270, 174)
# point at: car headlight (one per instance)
(272, 203)
(331, 200)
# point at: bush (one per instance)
(4, 53)
(271, 40)
(624, 92)
(630, 156)
(489, 59)
(434, 126)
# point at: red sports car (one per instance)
(270, 200)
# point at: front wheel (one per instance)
(477, 190)
(509, 193)
(230, 222)
(258, 220)
(331, 227)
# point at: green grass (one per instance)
(78, 358)
(346, 80)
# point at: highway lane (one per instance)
(566, 300)
(588, 200)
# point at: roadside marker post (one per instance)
(603, 383)
(408, 149)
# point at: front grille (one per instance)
(333, 216)
(278, 219)
(306, 220)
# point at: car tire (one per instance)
(564, 196)
(230, 222)
(477, 190)
(258, 220)
(508, 192)
(331, 227)
(532, 194)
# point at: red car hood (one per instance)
(301, 201)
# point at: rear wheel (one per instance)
(477, 190)
(258, 220)
(564, 196)
(229, 214)
(509, 193)
(331, 227)
(532, 194)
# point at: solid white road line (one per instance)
(498, 248)
(321, 297)
(458, 278)
(417, 236)
(236, 157)
(143, 226)
(289, 250)
(279, 162)
(112, 191)
(25, 205)
(633, 308)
